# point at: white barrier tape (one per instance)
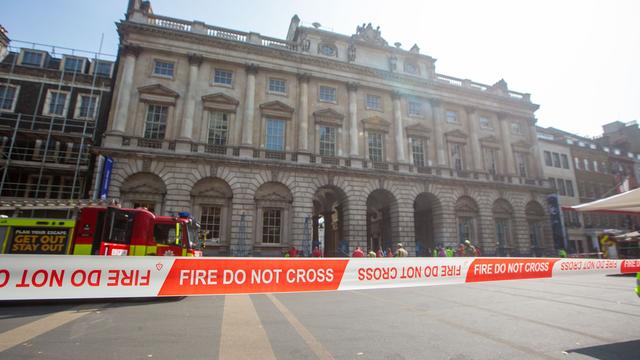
(35, 277)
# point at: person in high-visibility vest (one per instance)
(638, 284)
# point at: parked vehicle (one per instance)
(103, 231)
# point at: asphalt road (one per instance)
(582, 317)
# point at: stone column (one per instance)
(303, 118)
(505, 134)
(438, 118)
(536, 161)
(249, 105)
(119, 123)
(186, 132)
(353, 119)
(399, 128)
(476, 150)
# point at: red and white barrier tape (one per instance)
(35, 277)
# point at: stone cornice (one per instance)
(162, 155)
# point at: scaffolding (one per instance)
(46, 156)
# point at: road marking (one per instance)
(569, 295)
(321, 352)
(493, 289)
(522, 318)
(21, 334)
(459, 326)
(242, 335)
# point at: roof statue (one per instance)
(368, 34)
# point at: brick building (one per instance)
(599, 173)
(53, 103)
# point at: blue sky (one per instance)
(579, 59)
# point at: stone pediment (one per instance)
(456, 134)
(466, 208)
(376, 123)
(220, 98)
(213, 193)
(277, 108)
(501, 207)
(157, 93)
(417, 130)
(220, 101)
(490, 139)
(521, 144)
(144, 189)
(274, 196)
(157, 89)
(328, 116)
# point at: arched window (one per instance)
(503, 219)
(211, 199)
(143, 190)
(467, 218)
(273, 214)
(535, 219)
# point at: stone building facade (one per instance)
(264, 139)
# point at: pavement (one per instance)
(577, 317)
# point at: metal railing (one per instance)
(56, 154)
(43, 191)
(59, 126)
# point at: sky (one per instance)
(579, 60)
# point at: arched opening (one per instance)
(503, 219)
(382, 219)
(273, 218)
(467, 220)
(427, 214)
(211, 204)
(145, 190)
(329, 204)
(535, 215)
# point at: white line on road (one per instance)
(308, 338)
(21, 334)
(242, 335)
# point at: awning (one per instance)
(628, 201)
(632, 234)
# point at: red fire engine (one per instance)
(137, 232)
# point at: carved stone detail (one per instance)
(131, 50)
(146, 165)
(367, 33)
(351, 52)
(393, 63)
(195, 59)
(252, 69)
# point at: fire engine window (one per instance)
(119, 227)
(165, 234)
(192, 232)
